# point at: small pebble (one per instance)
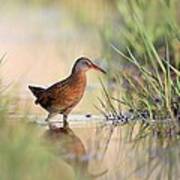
(88, 115)
(145, 114)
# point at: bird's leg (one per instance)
(65, 123)
(50, 115)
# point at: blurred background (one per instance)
(137, 42)
(42, 39)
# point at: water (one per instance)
(41, 45)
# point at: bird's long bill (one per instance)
(98, 68)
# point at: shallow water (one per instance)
(41, 45)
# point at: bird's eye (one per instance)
(86, 63)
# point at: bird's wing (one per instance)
(57, 85)
(53, 95)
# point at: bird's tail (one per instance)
(37, 91)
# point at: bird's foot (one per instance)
(52, 126)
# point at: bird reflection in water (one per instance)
(70, 147)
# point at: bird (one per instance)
(63, 96)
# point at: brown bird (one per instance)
(63, 96)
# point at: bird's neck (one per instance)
(79, 76)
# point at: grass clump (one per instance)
(146, 78)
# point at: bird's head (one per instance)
(84, 64)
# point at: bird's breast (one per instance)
(73, 93)
(77, 85)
